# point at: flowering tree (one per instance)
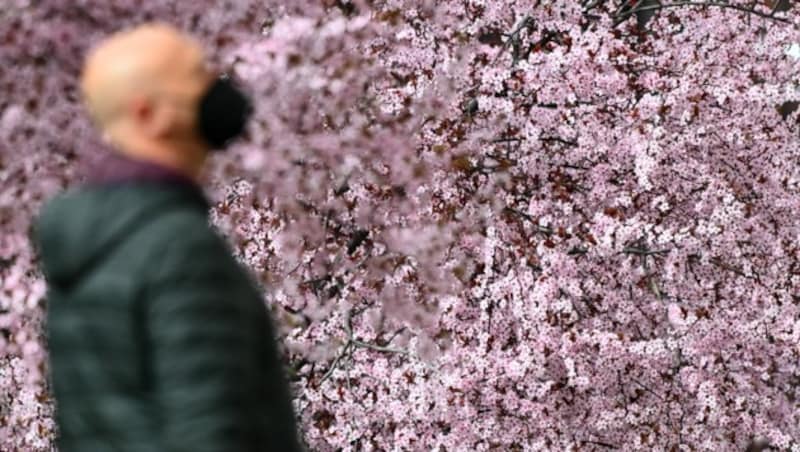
(482, 225)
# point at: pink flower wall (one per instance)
(483, 225)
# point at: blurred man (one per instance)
(159, 340)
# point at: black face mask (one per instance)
(223, 113)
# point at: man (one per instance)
(159, 340)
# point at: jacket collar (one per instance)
(107, 168)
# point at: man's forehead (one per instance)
(147, 45)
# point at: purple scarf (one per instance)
(109, 167)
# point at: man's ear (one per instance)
(154, 121)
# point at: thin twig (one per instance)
(335, 363)
(642, 251)
(542, 229)
(646, 388)
(378, 348)
(599, 443)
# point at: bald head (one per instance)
(145, 61)
(142, 87)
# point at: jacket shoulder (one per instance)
(183, 241)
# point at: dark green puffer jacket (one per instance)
(159, 340)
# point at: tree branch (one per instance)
(624, 15)
(353, 343)
(514, 41)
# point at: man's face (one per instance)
(176, 97)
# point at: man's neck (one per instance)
(185, 158)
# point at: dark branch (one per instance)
(628, 13)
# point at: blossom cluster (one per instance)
(481, 225)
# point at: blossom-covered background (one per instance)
(482, 225)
